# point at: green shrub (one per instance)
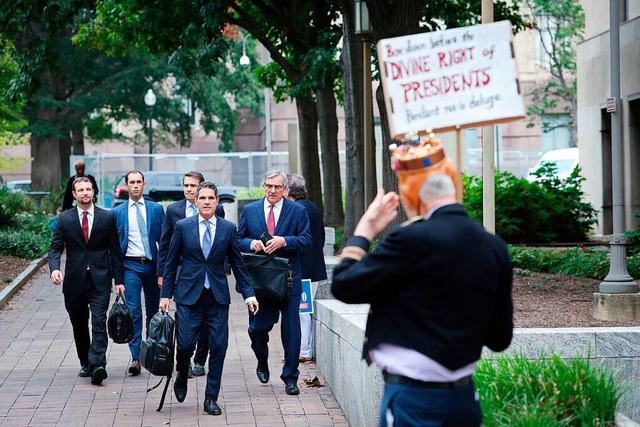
(11, 204)
(633, 239)
(593, 264)
(29, 239)
(250, 193)
(516, 391)
(544, 211)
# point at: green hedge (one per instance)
(579, 262)
(29, 238)
(549, 210)
(550, 391)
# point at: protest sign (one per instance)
(463, 77)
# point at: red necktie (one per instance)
(85, 226)
(271, 222)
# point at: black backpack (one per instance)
(120, 321)
(158, 350)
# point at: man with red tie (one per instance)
(94, 261)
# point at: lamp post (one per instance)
(362, 28)
(150, 100)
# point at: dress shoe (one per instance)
(292, 389)
(198, 371)
(211, 407)
(263, 373)
(99, 374)
(85, 371)
(305, 359)
(180, 386)
(135, 368)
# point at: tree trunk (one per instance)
(309, 160)
(47, 163)
(351, 63)
(332, 183)
(77, 140)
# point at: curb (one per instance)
(19, 281)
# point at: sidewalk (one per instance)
(39, 384)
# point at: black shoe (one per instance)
(135, 368)
(180, 386)
(292, 389)
(263, 373)
(211, 407)
(85, 371)
(198, 371)
(99, 374)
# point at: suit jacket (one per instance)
(67, 201)
(312, 260)
(293, 225)
(155, 219)
(185, 244)
(102, 253)
(175, 212)
(441, 287)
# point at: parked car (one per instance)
(163, 186)
(565, 160)
(19, 186)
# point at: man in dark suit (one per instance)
(312, 263)
(288, 225)
(176, 211)
(69, 198)
(201, 290)
(439, 288)
(139, 224)
(94, 260)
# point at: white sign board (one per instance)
(463, 77)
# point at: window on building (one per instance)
(555, 132)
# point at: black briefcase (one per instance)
(271, 276)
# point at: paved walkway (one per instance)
(39, 384)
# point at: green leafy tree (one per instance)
(559, 27)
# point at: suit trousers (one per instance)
(419, 406)
(205, 314)
(91, 349)
(261, 324)
(140, 278)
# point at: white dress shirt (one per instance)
(277, 209)
(135, 248)
(89, 217)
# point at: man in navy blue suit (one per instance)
(139, 224)
(287, 223)
(201, 290)
(312, 262)
(176, 211)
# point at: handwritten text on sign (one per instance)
(461, 77)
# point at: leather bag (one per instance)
(271, 276)
(120, 321)
(157, 351)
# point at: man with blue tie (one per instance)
(176, 211)
(201, 290)
(287, 224)
(139, 224)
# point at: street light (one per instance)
(362, 29)
(244, 59)
(150, 100)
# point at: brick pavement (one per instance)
(39, 384)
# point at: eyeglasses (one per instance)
(273, 187)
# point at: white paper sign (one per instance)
(463, 77)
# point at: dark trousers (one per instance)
(261, 324)
(140, 278)
(414, 405)
(191, 319)
(202, 348)
(92, 348)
